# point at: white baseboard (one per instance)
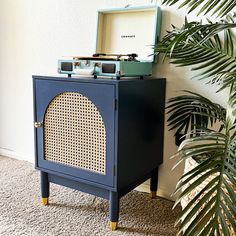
(145, 187)
(12, 154)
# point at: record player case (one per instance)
(122, 31)
(100, 136)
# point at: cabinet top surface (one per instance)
(105, 80)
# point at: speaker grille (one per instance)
(74, 133)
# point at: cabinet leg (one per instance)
(44, 188)
(154, 182)
(114, 203)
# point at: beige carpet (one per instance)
(72, 212)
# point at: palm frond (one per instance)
(226, 79)
(222, 7)
(193, 112)
(213, 209)
(200, 46)
(210, 49)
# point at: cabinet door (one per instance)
(76, 135)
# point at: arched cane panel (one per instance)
(74, 133)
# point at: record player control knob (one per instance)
(98, 64)
(77, 63)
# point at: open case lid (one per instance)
(129, 30)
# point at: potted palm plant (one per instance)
(209, 185)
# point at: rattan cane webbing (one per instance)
(74, 133)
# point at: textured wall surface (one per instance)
(34, 34)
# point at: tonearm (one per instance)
(131, 56)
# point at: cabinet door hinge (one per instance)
(115, 104)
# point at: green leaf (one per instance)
(208, 196)
(214, 207)
(229, 216)
(206, 167)
(201, 219)
(200, 46)
(193, 185)
(208, 227)
(204, 193)
(225, 228)
(185, 112)
(230, 190)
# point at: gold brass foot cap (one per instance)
(44, 201)
(113, 225)
(153, 194)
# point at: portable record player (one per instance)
(124, 46)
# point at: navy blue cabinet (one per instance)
(100, 136)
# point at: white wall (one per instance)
(34, 34)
